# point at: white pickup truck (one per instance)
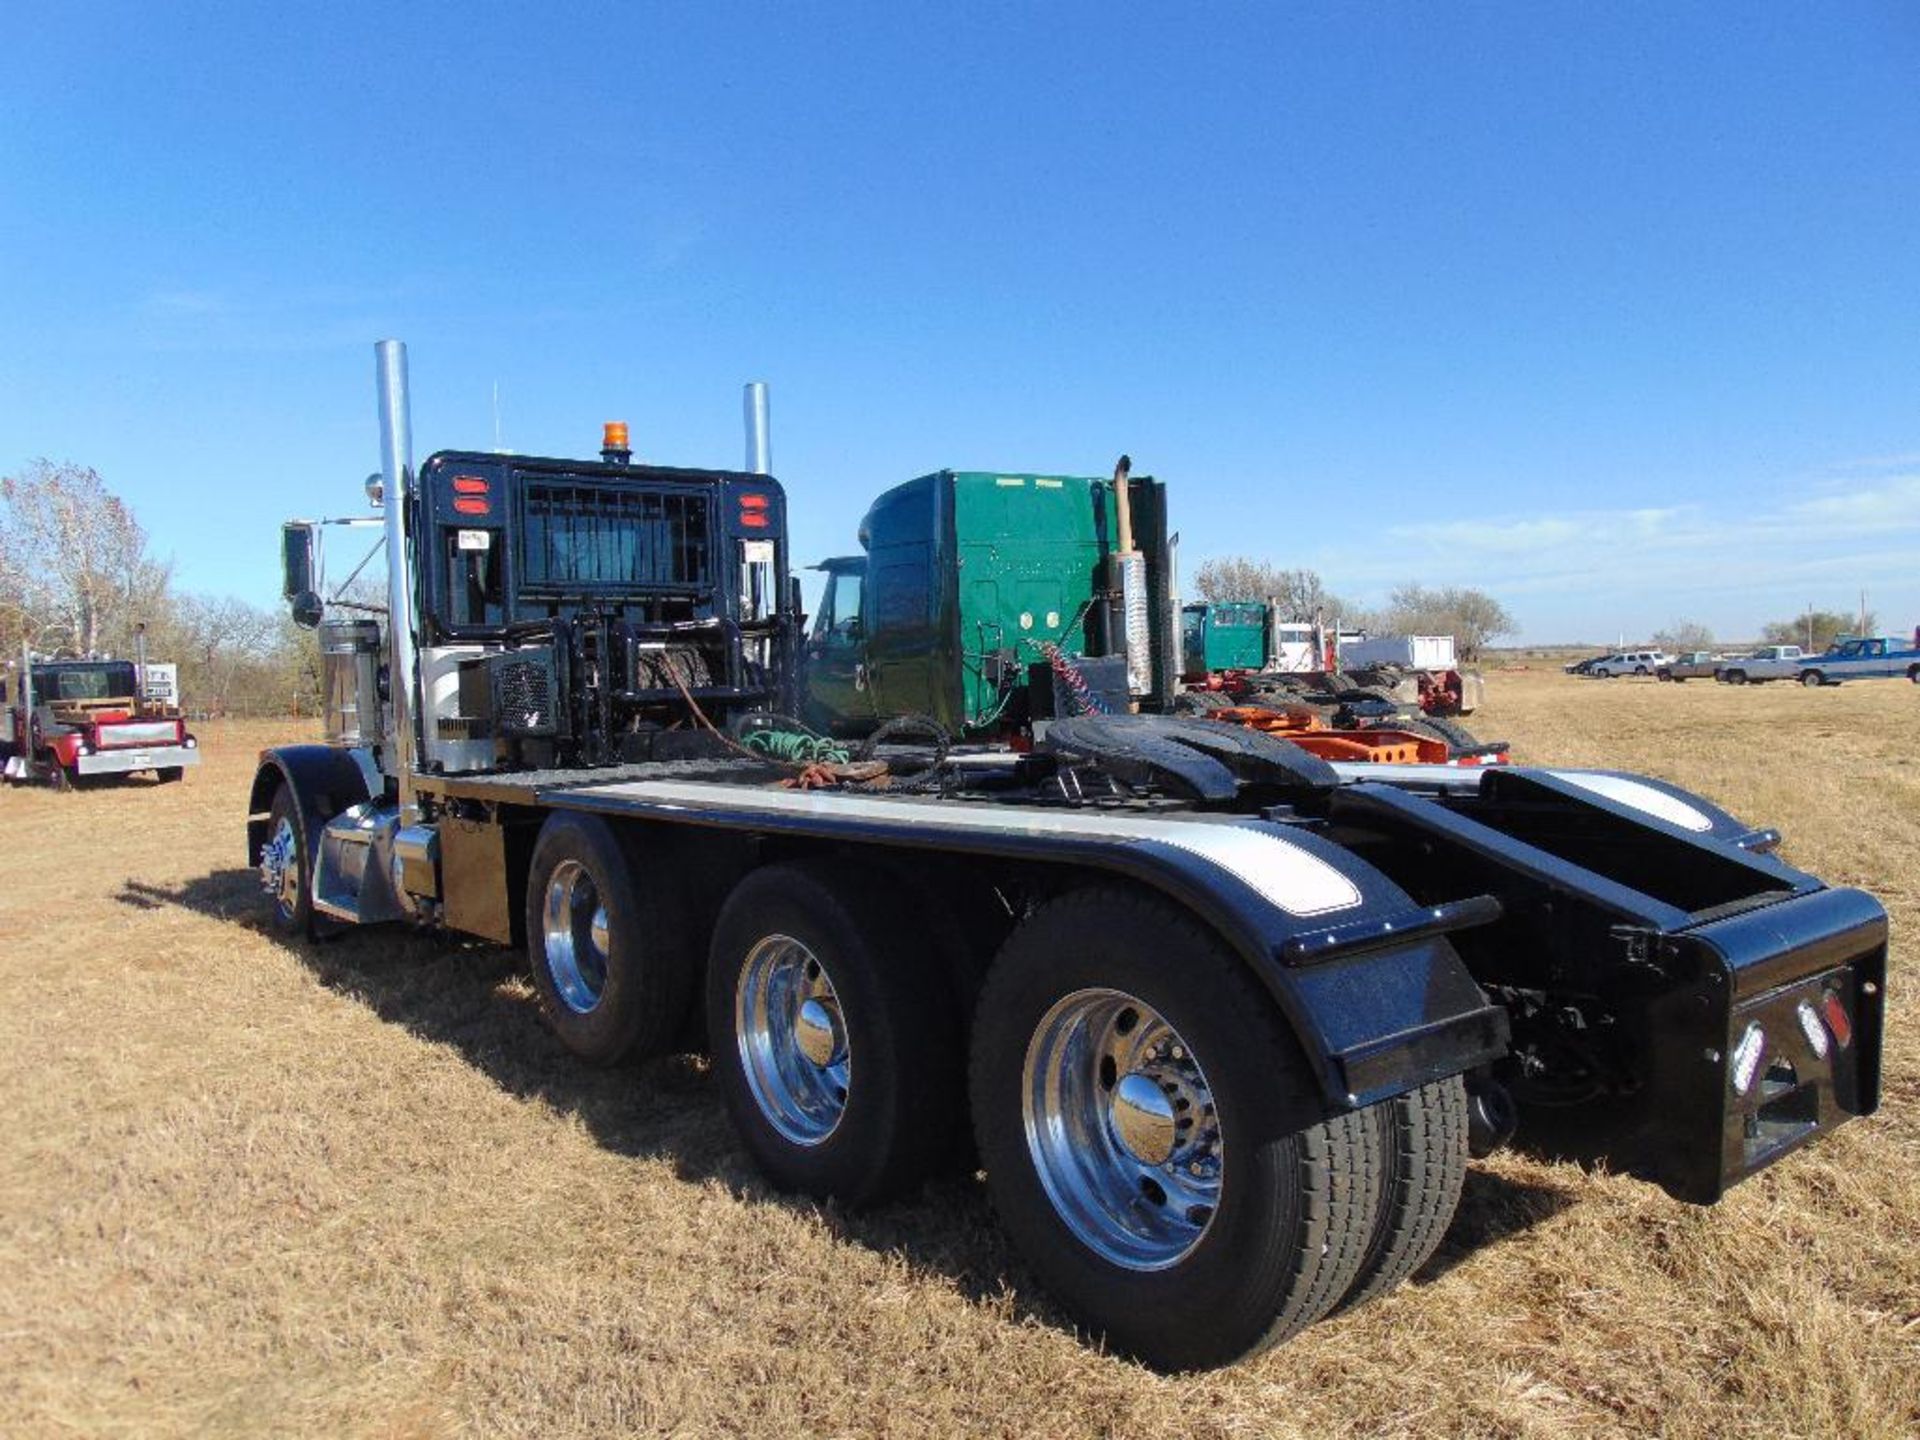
(1769, 662)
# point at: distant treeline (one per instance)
(76, 579)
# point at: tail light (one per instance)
(1811, 1027)
(753, 512)
(1838, 1021)
(470, 495)
(1746, 1058)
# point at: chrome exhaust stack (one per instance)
(396, 480)
(759, 442)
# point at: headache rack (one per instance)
(586, 537)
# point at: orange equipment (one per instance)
(1380, 746)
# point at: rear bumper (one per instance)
(122, 762)
(1765, 1036)
(1802, 1037)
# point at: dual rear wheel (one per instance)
(1158, 1151)
(1153, 1140)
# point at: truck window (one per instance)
(474, 592)
(845, 608)
(582, 535)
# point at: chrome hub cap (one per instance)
(1143, 1119)
(1121, 1127)
(792, 1039)
(816, 1030)
(575, 937)
(280, 867)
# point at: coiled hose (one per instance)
(1081, 693)
(795, 747)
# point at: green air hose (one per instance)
(794, 747)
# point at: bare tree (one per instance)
(1683, 635)
(1300, 593)
(71, 550)
(220, 641)
(1472, 617)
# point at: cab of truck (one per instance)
(568, 611)
(973, 587)
(1223, 636)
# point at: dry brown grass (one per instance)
(250, 1189)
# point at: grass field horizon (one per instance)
(253, 1188)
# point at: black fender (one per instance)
(324, 780)
(1375, 993)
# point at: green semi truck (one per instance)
(1229, 635)
(980, 593)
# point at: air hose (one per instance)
(796, 748)
(1081, 693)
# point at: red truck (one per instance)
(83, 718)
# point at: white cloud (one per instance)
(1593, 571)
(1895, 505)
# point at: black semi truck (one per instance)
(1221, 1022)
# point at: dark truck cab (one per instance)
(581, 604)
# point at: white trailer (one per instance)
(1412, 652)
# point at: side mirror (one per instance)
(298, 561)
(308, 610)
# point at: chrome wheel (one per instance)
(280, 868)
(792, 1039)
(575, 935)
(1121, 1127)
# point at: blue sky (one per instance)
(1611, 310)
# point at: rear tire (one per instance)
(608, 939)
(1812, 679)
(1736, 677)
(1187, 1245)
(834, 1037)
(171, 774)
(1423, 1139)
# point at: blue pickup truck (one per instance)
(1872, 658)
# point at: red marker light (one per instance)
(467, 505)
(1838, 1021)
(754, 519)
(469, 485)
(753, 502)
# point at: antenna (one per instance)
(497, 449)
